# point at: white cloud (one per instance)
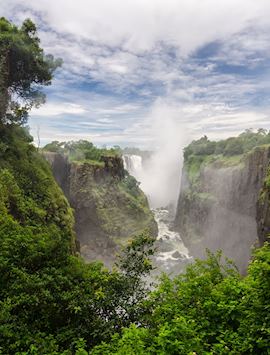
(144, 48)
(54, 109)
(138, 25)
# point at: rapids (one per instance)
(171, 255)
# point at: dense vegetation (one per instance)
(49, 298)
(23, 68)
(51, 302)
(245, 142)
(84, 150)
(81, 150)
(208, 310)
(227, 152)
(111, 194)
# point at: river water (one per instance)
(171, 256)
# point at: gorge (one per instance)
(171, 255)
(223, 199)
(121, 231)
(221, 205)
(47, 288)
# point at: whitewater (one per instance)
(172, 255)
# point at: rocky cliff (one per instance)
(224, 204)
(109, 206)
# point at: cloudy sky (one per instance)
(128, 64)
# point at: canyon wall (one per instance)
(109, 207)
(224, 204)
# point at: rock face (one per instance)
(107, 210)
(263, 210)
(221, 209)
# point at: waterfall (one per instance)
(133, 164)
(172, 255)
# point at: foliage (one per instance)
(117, 201)
(51, 301)
(245, 142)
(131, 185)
(81, 150)
(23, 68)
(208, 310)
(55, 147)
(113, 193)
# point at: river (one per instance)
(171, 256)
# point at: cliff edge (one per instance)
(109, 206)
(224, 203)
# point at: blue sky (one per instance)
(132, 66)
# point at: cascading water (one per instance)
(133, 164)
(171, 255)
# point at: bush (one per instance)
(80, 150)
(210, 309)
(228, 147)
(51, 301)
(233, 146)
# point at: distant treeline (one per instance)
(85, 150)
(80, 150)
(228, 147)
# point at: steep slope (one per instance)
(51, 301)
(218, 206)
(109, 206)
(263, 208)
(29, 196)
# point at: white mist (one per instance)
(160, 175)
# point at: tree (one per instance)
(234, 146)
(23, 69)
(210, 309)
(55, 147)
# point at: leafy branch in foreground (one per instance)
(210, 309)
(51, 301)
(23, 69)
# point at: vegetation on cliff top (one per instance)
(117, 197)
(81, 151)
(232, 146)
(223, 153)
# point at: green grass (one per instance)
(195, 163)
(100, 164)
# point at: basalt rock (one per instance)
(107, 212)
(226, 207)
